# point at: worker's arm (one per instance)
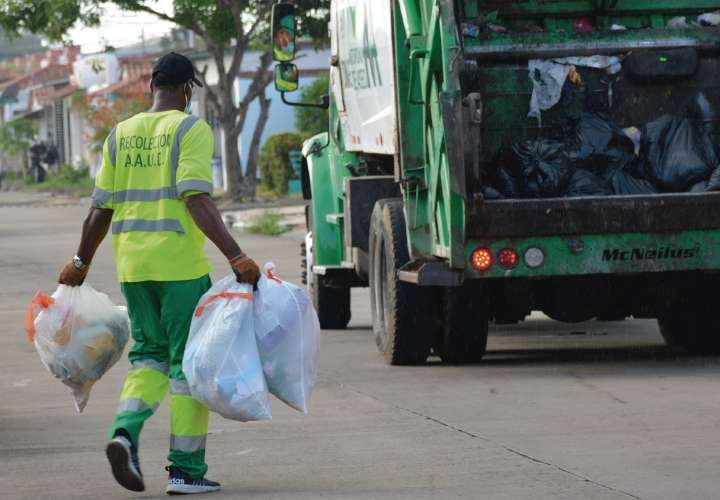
(94, 229)
(207, 217)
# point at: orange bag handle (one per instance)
(222, 295)
(271, 276)
(41, 300)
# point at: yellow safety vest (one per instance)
(150, 163)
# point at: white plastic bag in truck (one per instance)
(221, 361)
(80, 334)
(288, 337)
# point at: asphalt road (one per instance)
(596, 411)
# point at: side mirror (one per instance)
(287, 77)
(283, 32)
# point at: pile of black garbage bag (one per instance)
(594, 157)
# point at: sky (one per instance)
(118, 28)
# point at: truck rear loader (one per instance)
(423, 97)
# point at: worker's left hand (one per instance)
(71, 275)
(245, 269)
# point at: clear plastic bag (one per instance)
(79, 334)
(221, 361)
(288, 337)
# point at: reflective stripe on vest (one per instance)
(100, 197)
(194, 185)
(166, 193)
(112, 148)
(183, 129)
(150, 226)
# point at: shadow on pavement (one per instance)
(648, 355)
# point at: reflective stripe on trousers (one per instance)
(188, 419)
(145, 387)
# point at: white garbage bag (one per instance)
(221, 361)
(288, 337)
(80, 334)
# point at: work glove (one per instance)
(245, 269)
(71, 275)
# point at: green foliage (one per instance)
(274, 162)
(268, 224)
(213, 20)
(67, 180)
(17, 136)
(312, 121)
(52, 18)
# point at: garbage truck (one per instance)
(433, 104)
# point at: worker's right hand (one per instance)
(71, 275)
(246, 270)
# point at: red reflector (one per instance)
(482, 259)
(508, 258)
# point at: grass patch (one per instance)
(263, 193)
(268, 224)
(66, 180)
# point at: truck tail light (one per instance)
(482, 259)
(508, 258)
(534, 257)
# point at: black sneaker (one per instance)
(180, 483)
(125, 465)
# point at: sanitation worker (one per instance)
(153, 194)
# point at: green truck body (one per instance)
(407, 223)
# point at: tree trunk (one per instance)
(252, 165)
(25, 164)
(233, 168)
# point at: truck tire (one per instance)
(693, 329)
(402, 313)
(462, 337)
(331, 304)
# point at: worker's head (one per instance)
(173, 79)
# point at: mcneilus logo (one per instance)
(663, 253)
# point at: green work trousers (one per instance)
(160, 315)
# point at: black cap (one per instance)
(176, 69)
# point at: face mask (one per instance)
(188, 104)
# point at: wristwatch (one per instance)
(79, 264)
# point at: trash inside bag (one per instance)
(498, 174)
(710, 19)
(288, 338)
(635, 136)
(713, 184)
(221, 361)
(625, 184)
(548, 77)
(602, 146)
(544, 168)
(79, 334)
(586, 183)
(678, 153)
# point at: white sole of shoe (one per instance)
(189, 489)
(123, 470)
